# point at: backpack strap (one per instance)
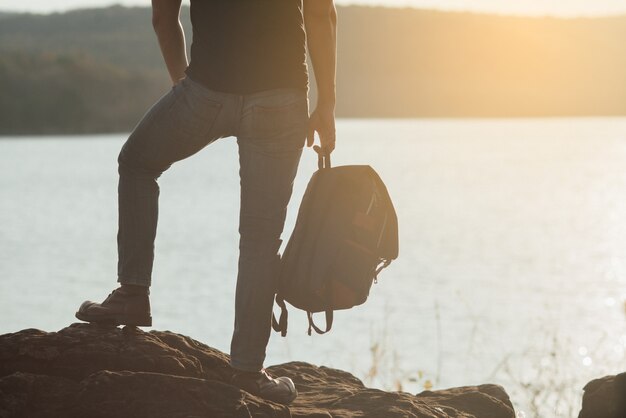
(323, 157)
(384, 263)
(329, 322)
(281, 324)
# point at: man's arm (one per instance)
(169, 31)
(320, 21)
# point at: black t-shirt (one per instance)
(247, 46)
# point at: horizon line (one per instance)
(451, 10)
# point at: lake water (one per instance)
(512, 266)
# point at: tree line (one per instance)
(98, 70)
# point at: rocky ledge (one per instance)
(89, 371)
(605, 398)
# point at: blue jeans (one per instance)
(270, 127)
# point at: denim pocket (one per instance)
(193, 114)
(281, 116)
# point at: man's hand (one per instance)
(320, 23)
(322, 121)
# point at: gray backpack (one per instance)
(346, 232)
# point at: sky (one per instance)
(568, 8)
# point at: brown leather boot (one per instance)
(122, 307)
(279, 389)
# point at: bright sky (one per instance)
(527, 7)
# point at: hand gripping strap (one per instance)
(323, 157)
(329, 322)
(281, 324)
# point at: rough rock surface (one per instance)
(89, 371)
(605, 398)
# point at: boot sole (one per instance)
(133, 320)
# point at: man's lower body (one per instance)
(270, 127)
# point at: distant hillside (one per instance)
(98, 70)
(426, 63)
(84, 71)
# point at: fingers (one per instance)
(327, 143)
(327, 140)
(310, 136)
(324, 125)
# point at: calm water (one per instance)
(512, 266)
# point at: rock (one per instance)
(605, 398)
(485, 401)
(90, 371)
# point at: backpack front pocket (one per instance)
(351, 275)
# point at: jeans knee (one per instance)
(126, 163)
(260, 242)
(131, 164)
